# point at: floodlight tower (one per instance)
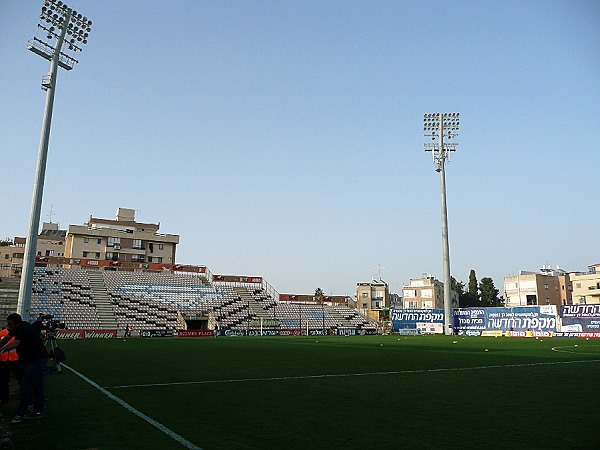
(64, 25)
(440, 126)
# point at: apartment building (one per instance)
(121, 239)
(426, 293)
(586, 286)
(546, 287)
(51, 242)
(372, 296)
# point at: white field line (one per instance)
(578, 352)
(141, 415)
(346, 375)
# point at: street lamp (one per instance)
(443, 126)
(69, 28)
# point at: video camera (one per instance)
(49, 324)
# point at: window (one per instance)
(49, 252)
(547, 301)
(159, 259)
(531, 300)
(6, 256)
(112, 256)
(137, 258)
(365, 295)
(112, 241)
(97, 254)
(149, 258)
(85, 254)
(138, 244)
(546, 286)
(99, 241)
(161, 246)
(412, 305)
(86, 240)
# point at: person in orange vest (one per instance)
(9, 362)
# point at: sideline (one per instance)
(130, 408)
(364, 374)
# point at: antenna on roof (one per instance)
(51, 213)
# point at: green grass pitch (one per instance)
(321, 393)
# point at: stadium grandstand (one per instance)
(91, 295)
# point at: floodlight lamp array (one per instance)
(56, 14)
(446, 123)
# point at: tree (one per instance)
(318, 293)
(459, 288)
(5, 242)
(473, 286)
(489, 293)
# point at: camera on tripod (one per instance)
(50, 325)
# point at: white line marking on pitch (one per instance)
(345, 375)
(141, 415)
(579, 352)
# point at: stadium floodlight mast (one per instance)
(65, 27)
(443, 126)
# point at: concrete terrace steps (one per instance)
(103, 302)
(255, 308)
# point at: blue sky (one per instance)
(284, 139)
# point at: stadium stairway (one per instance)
(255, 307)
(104, 309)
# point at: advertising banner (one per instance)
(157, 267)
(580, 324)
(424, 320)
(195, 333)
(580, 311)
(521, 318)
(237, 279)
(469, 319)
(537, 334)
(522, 321)
(156, 333)
(86, 334)
(586, 335)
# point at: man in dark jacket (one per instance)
(33, 358)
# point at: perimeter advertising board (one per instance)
(195, 333)
(526, 321)
(419, 320)
(577, 319)
(86, 334)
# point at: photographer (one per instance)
(38, 325)
(34, 358)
